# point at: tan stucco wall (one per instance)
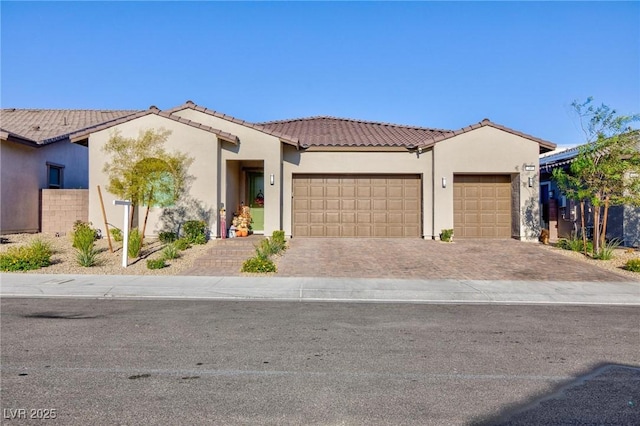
(23, 172)
(200, 145)
(487, 150)
(398, 162)
(253, 145)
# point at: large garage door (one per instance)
(357, 205)
(482, 206)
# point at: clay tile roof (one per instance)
(44, 126)
(292, 140)
(545, 146)
(84, 134)
(343, 132)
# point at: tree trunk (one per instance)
(133, 210)
(605, 216)
(596, 230)
(146, 216)
(583, 230)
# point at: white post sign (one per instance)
(125, 237)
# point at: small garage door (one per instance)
(357, 206)
(482, 206)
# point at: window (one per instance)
(54, 175)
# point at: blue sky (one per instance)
(434, 64)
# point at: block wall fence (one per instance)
(60, 208)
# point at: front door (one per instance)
(256, 200)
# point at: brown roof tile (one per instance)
(44, 126)
(342, 132)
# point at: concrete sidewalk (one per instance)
(319, 289)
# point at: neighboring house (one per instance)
(35, 154)
(325, 176)
(562, 216)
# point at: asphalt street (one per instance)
(246, 362)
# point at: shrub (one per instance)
(116, 233)
(182, 244)
(271, 246)
(156, 263)
(167, 237)
(135, 243)
(265, 249)
(278, 241)
(84, 241)
(83, 235)
(446, 235)
(632, 265)
(195, 231)
(33, 256)
(170, 252)
(87, 257)
(258, 264)
(574, 244)
(606, 252)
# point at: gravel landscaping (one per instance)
(64, 256)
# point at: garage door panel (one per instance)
(395, 218)
(300, 204)
(395, 191)
(332, 231)
(348, 204)
(357, 205)
(379, 205)
(348, 217)
(412, 205)
(364, 204)
(348, 191)
(395, 205)
(316, 217)
(411, 218)
(364, 231)
(332, 217)
(363, 192)
(379, 191)
(316, 191)
(349, 231)
(482, 206)
(316, 231)
(332, 191)
(316, 204)
(332, 204)
(380, 218)
(364, 217)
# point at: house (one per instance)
(562, 216)
(35, 154)
(334, 177)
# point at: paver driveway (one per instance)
(428, 259)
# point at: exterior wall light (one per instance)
(444, 182)
(272, 179)
(530, 179)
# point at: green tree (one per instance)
(141, 170)
(606, 171)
